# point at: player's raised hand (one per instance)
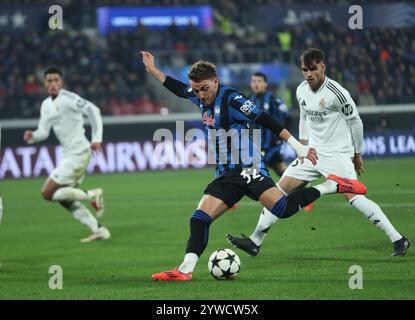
(358, 164)
(96, 147)
(28, 135)
(148, 60)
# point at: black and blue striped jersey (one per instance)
(267, 102)
(230, 115)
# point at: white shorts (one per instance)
(339, 164)
(71, 171)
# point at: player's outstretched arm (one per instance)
(175, 86)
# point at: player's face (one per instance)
(258, 84)
(314, 74)
(53, 83)
(205, 90)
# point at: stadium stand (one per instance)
(108, 71)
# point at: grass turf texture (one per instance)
(304, 257)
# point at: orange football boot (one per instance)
(172, 275)
(345, 185)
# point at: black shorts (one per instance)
(232, 185)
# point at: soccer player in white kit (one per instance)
(330, 123)
(63, 112)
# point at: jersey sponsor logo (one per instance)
(347, 110)
(316, 116)
(208, 120)
(247, 107)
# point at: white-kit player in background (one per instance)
(63, 111)
(329, 121)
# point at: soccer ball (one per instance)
(224, 264)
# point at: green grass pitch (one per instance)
(304, 257)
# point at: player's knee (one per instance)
(279, 208)
(66, 204)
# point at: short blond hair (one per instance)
(202, 70)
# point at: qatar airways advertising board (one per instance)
(132, 156)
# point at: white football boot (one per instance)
(102, 234)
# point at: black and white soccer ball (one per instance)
(224, 264)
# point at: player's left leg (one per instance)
(209, 209)
(219, 195)
(374, 213)
(341, 164)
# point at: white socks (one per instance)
(266, 220)
(327, 187)
(83, 215)
(189, 263)
(374, 213)
(70, 194)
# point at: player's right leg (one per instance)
(295, 176)
(374, 213)
(252, 244)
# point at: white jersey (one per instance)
(64, 115)
(325, 113)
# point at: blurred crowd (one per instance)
(377, 66)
